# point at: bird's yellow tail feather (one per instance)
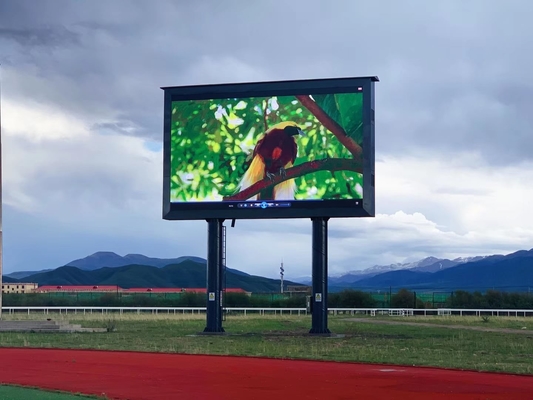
(255, 173)
(286, 189)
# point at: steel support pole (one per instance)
(214, 276)
(1, 185)
(320, 277)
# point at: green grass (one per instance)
(281, 336)
(23, 393)
(492, 322)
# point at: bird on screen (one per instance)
(274, 153)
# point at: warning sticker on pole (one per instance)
(318, 296)
(211, 296)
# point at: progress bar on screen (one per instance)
(263, 204)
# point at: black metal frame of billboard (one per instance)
(319, 216)
(313, 209)
(215, 266)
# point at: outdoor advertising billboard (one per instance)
(287, 149)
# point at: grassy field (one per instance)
(8, 392)
(490, 322)
(282, 336)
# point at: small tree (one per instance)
(356, 299)
(406, 299)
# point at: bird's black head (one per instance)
(293, 130)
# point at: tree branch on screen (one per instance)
(332, 126)
(327, 164)
(265, 118)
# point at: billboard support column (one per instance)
(320, 277)
(214, 276)
(1, 231)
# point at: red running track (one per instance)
(147, 376)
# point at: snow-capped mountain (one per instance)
(410, 265)
(428, 264)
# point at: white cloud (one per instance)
(82, 182)
(459, 194)
(76, 169)
(223, 69)
(38, 122)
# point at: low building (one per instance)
(228, 290)
(152, 290)
(19, 287)
(117, 289)
(298, 289)
(78, 289)
(179, 290)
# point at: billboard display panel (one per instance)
(293, 149)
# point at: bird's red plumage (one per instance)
(276, 149)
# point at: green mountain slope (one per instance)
(187, 274)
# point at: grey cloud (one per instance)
(81, 174)
(382, 249)
(89, 195)
(41, 37)
(450, 81)
(122, 127)
(520, 96)
(473, 122)
(358, 230)
(462, 191)
(282, 226)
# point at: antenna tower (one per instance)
(281, 271)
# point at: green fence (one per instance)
(382, 299)
(430, 299)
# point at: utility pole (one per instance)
(281, 271)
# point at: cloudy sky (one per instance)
(82, 123)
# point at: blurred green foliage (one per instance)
(346, 298)
(212, 141)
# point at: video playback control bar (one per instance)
(263, 204)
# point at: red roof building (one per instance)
(153, 290)
(77, 288)
(204, 290)
(179, 290)
(116, 289)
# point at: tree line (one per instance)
(344, 299)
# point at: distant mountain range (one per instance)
(429, 264)
(106, 268)
(108, 259)
(504, 272)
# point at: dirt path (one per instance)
(158, 376)
(472, 328)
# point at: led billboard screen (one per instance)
(293, 149)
